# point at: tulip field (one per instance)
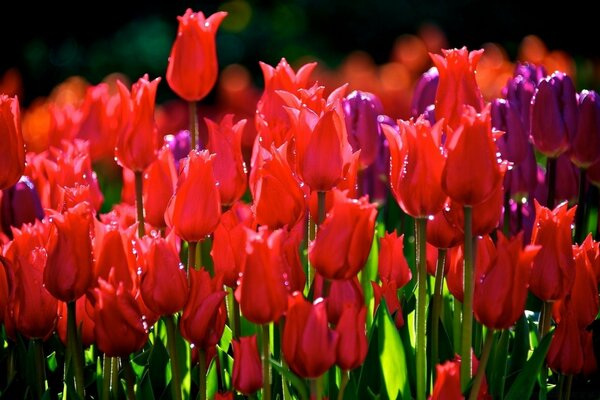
(422, 230)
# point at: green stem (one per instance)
(437, 306)
(266, 359)
(551, 179)
(74, 348)
(456, 325)
(286, 392)
(139, 201)
(172, 344)
(202, 371)
(236, 316)
(568, 387)
(545, 324)
(106, 377)
(193, 124)
(316, 388)
(129, 377)
(421, 342)
(343, 384)
(561, 387)
(191, 264)
(467, 323)
(114, 377)
(580, 212)
(40, 368)
(485, 355)
(504, 337)
(506, 222)
(320, 207)
(205, 247)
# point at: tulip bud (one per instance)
(247, 367)
(361, 110)
(585, 145)
(19, 204)
(352, 344)
(12, 148)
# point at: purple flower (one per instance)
(424, 94)
(19, 204)
(361, 110)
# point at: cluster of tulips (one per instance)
(291, 274)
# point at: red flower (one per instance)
(203, 318)
(164, 284)
(352, 344)
(84, 318)
(341, 293)
(137, 142)
(485, 216)
(417, 162)
(447, 383)
(484, 251)
(193, 66)
(262, 293)
(247, 367)
(119, 322)
(195, 208)
(225, 141)
(553, 271)
(565, 354)
(344, 239)
(501, 285)
(392, 264)
(114, 250)
(12, 148)
(32, 309)
(585, 144)
(160, 180)
(457, 84)
(309, 345)
(69, 272)
(442, 232)
(472, 171)
(389, 292)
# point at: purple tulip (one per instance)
(20, 204)
(520, 89)
(424, 94)
(180, 145)
(514, 142)
(585, 146)
(361, 110)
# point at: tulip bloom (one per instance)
(501, 285)
(442, 232)
(119, 327)
(164, 284)
(160, 180)
(515, 141)
(341, 293)
(344, 239)
(137, 142)
(554, 114)
(203, 318)
(309, 345)
(457, 85)
(84, 318)
(19, 204)
(114, 251)
(585, 144)
(225, 141)
(447, 383)
(485, 215)
(32, 309)
(12, 148)
(472, 171)
(352, 344)
(193, 67)
(417, 163)
(69, 270)
(195, 208)
(262, 293)
(565, 354)
(553, 271)
(361, 110)
(389, 292)
(247, 367)
(424, 93)
(392, 264)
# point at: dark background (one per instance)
(53, 40)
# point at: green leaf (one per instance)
(298, 383)
(525, 381)
(144, 388)
(391, 356)
(520, 346)
(498, 365)
(368, 274)
(212, 385)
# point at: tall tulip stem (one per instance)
(320, 207)
(343, 384)
(129, 377)
(437, 306)
(266, 360)
(485, 355)
(74, 348)
(202, 371)
(193, 124)
(191, 262)
(106, 365)
(139, 201)
(421, 342)
(171, 343)
(114, 377)
(467, 317)
(40, 367)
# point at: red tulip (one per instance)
(417, 162)
(352, 344)
(32, 309)
(195, 208)
(389, 292)
(225, 140)
(114, 250)
(553, 271)
(203, 318)
(457, 84)
(193, 66)
(12, 148)
(69, 271)
(164, 284)
(120, 327)
(84, 318)
(472, 171)
(485, 216)
(3, 287)
(344, 239)
(341, 293)
(160, 180)
(137, 142)
(501, 285)
(447, 383)
(442, 232)
(278, 196)
(309, 345)
(262, 293)
(392, 264)
(247, 367)
(565, 354)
